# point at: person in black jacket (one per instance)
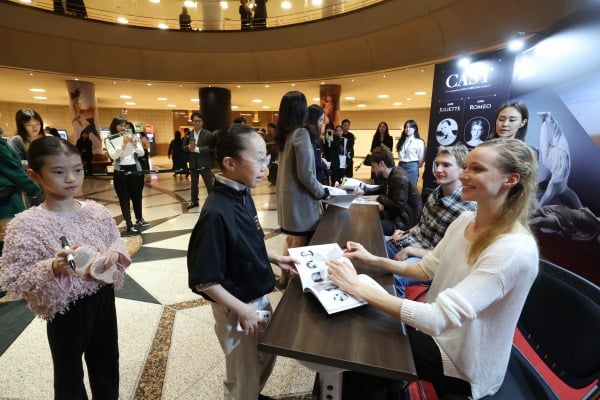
(228, 262)
(84, 145)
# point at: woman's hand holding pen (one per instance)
(356, 251)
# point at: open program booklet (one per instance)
(313, 276)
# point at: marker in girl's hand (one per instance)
(65, 246)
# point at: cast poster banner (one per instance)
(84, 112)
(563, 99)
(464, 103)
(330, 102)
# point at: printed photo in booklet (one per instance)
(313, 276)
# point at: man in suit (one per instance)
(196, 145)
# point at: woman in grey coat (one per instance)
(298, 191)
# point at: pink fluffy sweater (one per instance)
(32, 242)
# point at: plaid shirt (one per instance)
(438, 213)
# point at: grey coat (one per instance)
(298, 191)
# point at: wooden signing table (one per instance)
(363, 339)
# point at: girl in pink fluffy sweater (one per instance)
(73, 289)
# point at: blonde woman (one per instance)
(482, 271)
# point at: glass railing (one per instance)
(205, 15)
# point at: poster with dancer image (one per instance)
(464, 102)
(84, 112)
(314, 277)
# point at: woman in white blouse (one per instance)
(482, 271)
(125, 149)
(411, 150)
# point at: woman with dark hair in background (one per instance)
(125, 149)
(177, 154)
(411, 150)
(298, 190)
(314, 123)
(381, 137)
(30, 126)
(84, 145)
(511, 121)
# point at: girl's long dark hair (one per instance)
(312, 123)
(292, 115)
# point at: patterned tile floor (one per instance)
(168, 349)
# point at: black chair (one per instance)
(561, 322)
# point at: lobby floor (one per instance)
(168, 348)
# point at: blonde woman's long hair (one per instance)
(513, 156)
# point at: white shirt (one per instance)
(413, 149)
(471, 311)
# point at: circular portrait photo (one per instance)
(447, 131)
(477, 131)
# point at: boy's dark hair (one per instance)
(239, 120)
(381, 153)
(230, 142)
(48, 146)
(345, 120)
(197, 114)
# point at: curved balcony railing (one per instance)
(205, 15)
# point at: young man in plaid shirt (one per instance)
(441, 208)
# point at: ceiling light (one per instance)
(26, 1)
(40, 97)
(383, 96)
(384, 76)
(316, 99)
(397, 103)
(239, 86)
(286, 5)
(420, 93)
(195, 100)
(163, 26)
(37, 90)
(409, 98)
(190, 4)
(464, 61)
(256, 100)
(31, 74)
(517, 43)
(224, 5)
(317, 2)
(292, 84)
(149, 84)
(76, 79)
(130, 103)
(422, 69)
(267, 86)
(122, 20)
(155, 1)
(361, 105)
(171, 105)
(349, 98)
(235, 107)
(322, 83)
(266, 107)
(161, 98)
(125, 96)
